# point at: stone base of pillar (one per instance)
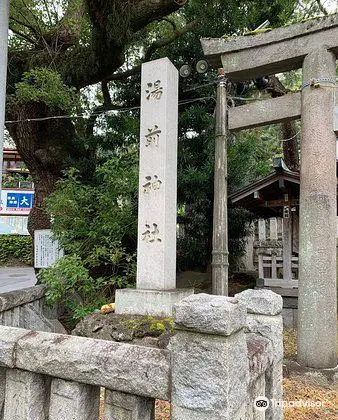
(148, 302)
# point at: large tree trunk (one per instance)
(288, 129)
(290, 145)
(44, 146)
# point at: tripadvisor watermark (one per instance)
(262, 403)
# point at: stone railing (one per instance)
(225, 353)
(25, 308)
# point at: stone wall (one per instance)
(25, 308)
(226, 352)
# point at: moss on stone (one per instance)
(148, 325)
(123, 327)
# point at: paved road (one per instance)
(16, 278)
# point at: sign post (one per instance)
(46, 249)
(4, 18)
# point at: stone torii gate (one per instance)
(312, 45)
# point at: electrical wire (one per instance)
(97, 114)
(291, 138)
(126, 109)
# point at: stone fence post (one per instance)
(264, 319)
(209, 359)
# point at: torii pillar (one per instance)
(317, 303)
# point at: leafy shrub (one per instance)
(96, 225)
(16, 248)
(69, 282)
(44, 85)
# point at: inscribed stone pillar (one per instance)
(156, 292)
(156, 248)
(317, 304)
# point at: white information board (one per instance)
(46, 249)
(13, 225)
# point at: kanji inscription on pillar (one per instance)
(151, 184)
(154, 90)
(152, 137)
(156, 251)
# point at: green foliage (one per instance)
(12, 180)
(16, 249)
(96, 221)
(44, 85)
(69, 282)
(96, 225)
(250, 154)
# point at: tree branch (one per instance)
(29, 9)
(321, 7)
(146, 11)
(151, 50)
(26, 25)
(166, 41)
(105, 93)
(47, 11)
(23, 36)
(172, 23)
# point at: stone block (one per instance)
(2, 391)
(10, 300)
(73, 401)
(274, 390)
(260, 355)
(261, 301)
(33, 319)
(270, 327)
(280, 50)
(256, 389)
(149, 302)
(209, 376)
(56, 326)
(7, 318)
(121, 406)
(269, 111)
(8, 339)
(210, 314)
(123, 367)
(26, 395)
